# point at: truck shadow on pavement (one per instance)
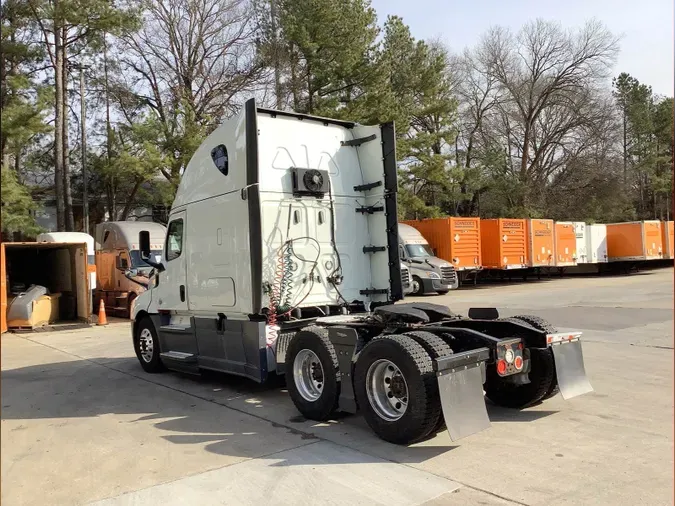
(222, 414)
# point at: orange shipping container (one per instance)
(668, 239)
(565, 244)
(540, 249)
(503, 243)
(455, 240)
(635, 240)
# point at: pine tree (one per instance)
(328, 48)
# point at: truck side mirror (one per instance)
(144, 244)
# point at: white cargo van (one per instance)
(430, 274)
(282, 256)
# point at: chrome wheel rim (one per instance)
(387, 390)
(146, 345)
(308, 375)
(415, 286)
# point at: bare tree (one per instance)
(479, 95)
(546, 76)
(192, 59)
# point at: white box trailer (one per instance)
(581, 250)
(596, 243)
(61, 268)
(282, 257)
(77, 238)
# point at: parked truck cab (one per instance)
(282, 257)
(117, 251)
(430, 274)
(406, 280)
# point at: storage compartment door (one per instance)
(81, 288)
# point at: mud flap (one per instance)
(460, 383)
(570, 370)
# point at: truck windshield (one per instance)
(419, 250)
(137, 261)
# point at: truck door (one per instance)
(173, 290)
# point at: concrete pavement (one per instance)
(82, 422)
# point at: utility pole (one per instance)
(83, 142)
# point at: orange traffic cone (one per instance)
(102, 320)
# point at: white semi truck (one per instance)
(282, 257)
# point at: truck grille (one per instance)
(405, 277)
(448, 275)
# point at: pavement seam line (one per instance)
(514, 501)
(198, 473)
(291, 429)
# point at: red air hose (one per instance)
(275, 293)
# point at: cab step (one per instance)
(175, 329)
(179, 356)
(180, 361)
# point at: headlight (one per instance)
(433, 275)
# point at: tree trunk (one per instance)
(130, 200)
(58, 125)
(275, 56)
(294, 83)
(111, 204)
(625, 148)
(524, 180)
(108, 128)
(110, 192)
(67, 191)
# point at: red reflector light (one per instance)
(501, 366)
(520, 346)
(518, 362)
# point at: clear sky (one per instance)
(646, 26)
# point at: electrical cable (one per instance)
(283, 276)
(331, 277)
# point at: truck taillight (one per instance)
(501, 366)
(509, 356)
(518, 363)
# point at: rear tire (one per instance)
(435, 347)
(146, 346)
(396, 389)
(312, 373)
(541, 324)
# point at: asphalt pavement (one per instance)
(82, 423)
